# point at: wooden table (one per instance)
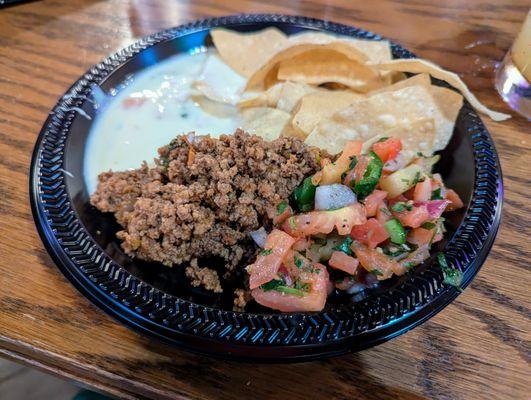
(476, 348)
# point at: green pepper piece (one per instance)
(396, 231)
(371, 176)
(304, 195)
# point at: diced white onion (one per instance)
(259, 236)
(331, 197)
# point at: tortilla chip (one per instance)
(215, 108)
(416, 65)
(269, 98)
(380, 113)
(283, 95)
(266, 76)
(420, 79)
(227, 90)
(416, 137)
(322, 65)
(377, 51)
(246, 52)
(290, 131)
(315, 107)
(264, 121)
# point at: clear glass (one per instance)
(513, 76)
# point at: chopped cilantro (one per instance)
(305, 287)
(343, 176)
(452, 276)
(345, 246)
(266, 252)
(409, 264)
(406, 181)
(281, 207)
(419, 154)
(418, 178)
(353, 162)
(442, 260)
(428, 225)
(401, 206)
(298, 262)
(393, 251)
(376, 272)
(436, 194)
(385, 211)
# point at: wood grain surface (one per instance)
(477, 348)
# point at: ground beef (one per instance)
(241, 297)
(202, 198)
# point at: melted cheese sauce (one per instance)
(158, 104)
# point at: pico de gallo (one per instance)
(361, 219)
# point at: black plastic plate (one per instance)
(158, 301)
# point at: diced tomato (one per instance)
(420, 236)
(414, 218)
(360, 168)
(296, 263)
(373, 201)
(422, 191)
(383, 214)
(409, 194)
(350, 178)
(387, 149)
(373, 260)
(371, 233)
(343, 262)
(266, 266)
(456, 201)
(332, 172)
(313, 301)
(284, 215)
(132, 102)
(315, 222)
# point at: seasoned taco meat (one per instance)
(202, 198)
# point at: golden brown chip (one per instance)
(325, 65)
(382, 112)
(416, 65)
(264, 121)
(315, 107)
(246, 52)
(266, 75)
